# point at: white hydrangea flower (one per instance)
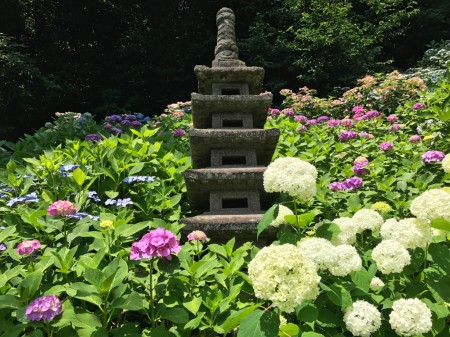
(348, 228)
(283, 275)
(432, 204)
(367, 219)
(318, 250)
(345, 260)
(292, 176)
(411, 232)
(410, 317)
(446, 163)
(390, 256)
(282, 212)
(362, 318)
(376, 284)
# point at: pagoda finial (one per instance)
(227, 51)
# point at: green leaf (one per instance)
(308, 313)
(236, 318)
(10, 301)
(337, 294)
(441, 224)
(192, 304)
(136, 169)
(354, 203)
(159, 331)
(176, 315)
(79, 176)
(7, 232)
(311, 334)
(30, 285)
(128, 230)
(361, 279)
(111, 194)
(175, 199)
(260, 324)
(131, 302)
(328, 231)
(194, 323)
(94, 277)
(267, 219)
(289, 329)
(441, 255)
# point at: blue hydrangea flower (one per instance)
(124, 202)
(81, 215)
(133, 179)
(25, 199)
(110, 202)
(93, 195)
(64, 170)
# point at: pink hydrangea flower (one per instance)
(336, 186)
(44, 308)
(347, 122)
(197, 236)
(418, 106)
(395, 127)
(433, 156)
(386, 146)
(274, 111)
(358, 109)
(392, 118)
(27, 247)
(415, 139)
(159, 242)
(61, 207)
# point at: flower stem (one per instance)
(151, 306)
(296, 215)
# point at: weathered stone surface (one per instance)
(226, 51)
(204, 141)
(207, 107)
(201, 182)
(206, 77)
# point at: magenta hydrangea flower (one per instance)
(433, 156)
(352, 183)
(415, 139)
(27, 247)
(179, 133)
(288, 112)
(274, 111)
(159, 242)
(395, 127)
(358, 109)
(392, 118)
(371, 114)
(311, 121)
(197, 236)
(333, 123)
(347, 135)
(322, 119)
(44, 308)
(386, 146)
(418, 106)
(301, 118)
(61, 207)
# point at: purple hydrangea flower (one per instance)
(159, 242)
(366, 135)
(95, 137)
(125, 122)
(116, 131)
(395, 127)
(136, 124)
(301, 118)
(352, 183)
(360, 169)
(179, 133)
(311, 121)
(107, 126)
(322, 119)
(288, 112)
(433, 156)
(333, 123)
(358, 109)
(2, 247)
(418, 106)
(44, 308)
(113, 118)
(386, 146)
(336, 186)
(347, 135)
(371, 114)
(131, 117)
(415, 139)
(274, 111)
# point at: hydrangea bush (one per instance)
(91, 244)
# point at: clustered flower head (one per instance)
(410, 233)
(283, 275)
(106, 223)
(197, 236)
(179, 133)
(348, 184)
(119, 202)
(433, 156)
(345, 259)
(410, 317)
(376, 284)
(347, 135)
(367, 219)
(292, 176)
(392, 118)
(446, 163)
(82, 215)
(44, 308)
(362, 318)
(159, 242)
(348, 229)
(390, 256)
(133, 179)
(386, 146)
(431, 204)
(282, 212)
(418, 106)
(25, 199)
(61, 207)
(95, 137)
(27, 247)
(415, 139)
(317, 250)
(381, 206)
(359, 166)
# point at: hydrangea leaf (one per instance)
(267, 219)
(260, 324)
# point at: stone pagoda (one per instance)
(229, 145)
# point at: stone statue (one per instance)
(226, 51)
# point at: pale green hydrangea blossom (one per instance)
(410, 233)
(292, 176)
(282, 212)
(432, 204)
(348, 229)
(345, 260)
(446, 163)
(367, 219)
(410, 317)
(390, 256)
(283, 275)
(318, 250)
(376, 284)
(362, 319)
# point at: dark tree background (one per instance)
(117, 56)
